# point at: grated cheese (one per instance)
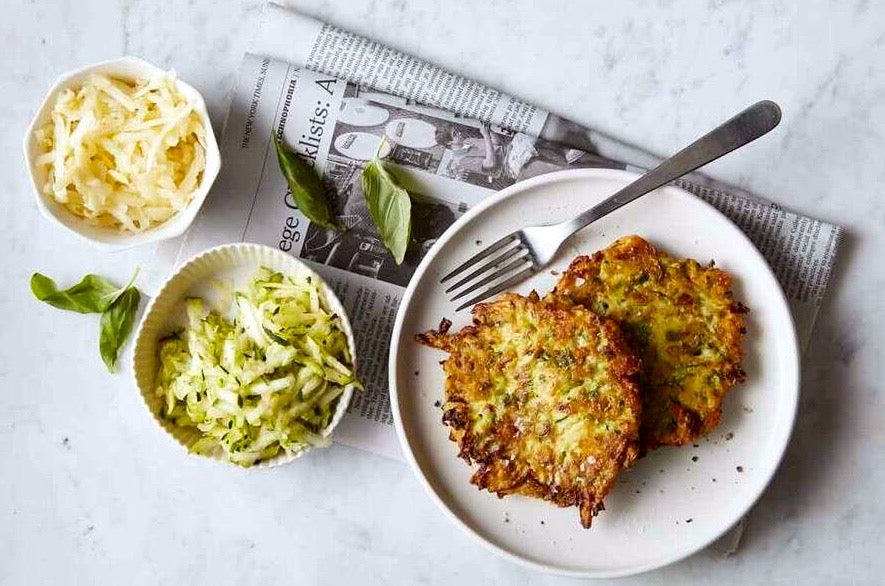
(123, 155)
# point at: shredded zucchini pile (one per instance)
(266, 382)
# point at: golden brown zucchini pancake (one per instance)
(541, 394)
(683, 322)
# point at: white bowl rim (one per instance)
(114, 240)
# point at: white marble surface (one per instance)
(91, 492)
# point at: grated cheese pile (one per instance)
(121, 155)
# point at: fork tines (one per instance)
(507, 262)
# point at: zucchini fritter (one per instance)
(683, 322)
(541, 394)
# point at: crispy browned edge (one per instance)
(492, 474)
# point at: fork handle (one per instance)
(744, 128)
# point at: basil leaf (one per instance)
(390, 207)
(306, 186)
(116, 323)
(93, 294)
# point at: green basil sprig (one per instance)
(94, 294)
(116, 323)
(389, 205)
(306, 186)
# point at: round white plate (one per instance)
(357, 112)
(361, 146)
(411, 132)
(674, 501)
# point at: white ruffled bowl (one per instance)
(206, 276)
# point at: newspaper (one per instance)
(332, 95)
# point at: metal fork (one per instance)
(525, 252)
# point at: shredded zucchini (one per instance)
(267, 381)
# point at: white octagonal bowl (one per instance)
(130, 69)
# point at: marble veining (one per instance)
(91, 492)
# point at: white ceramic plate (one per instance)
(673, 502)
